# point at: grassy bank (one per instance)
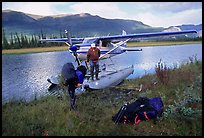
(180, 90)
(63, 48)
(34, 50)
(165, 43)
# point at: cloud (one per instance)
(193, 16)
(185, 17)
(38, 8)
(103, 9)
(170, 7)
(155, 14)
(170, 14)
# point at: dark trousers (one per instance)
(94, 65)
(71, 91)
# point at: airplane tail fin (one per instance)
(69, 43)
(124, 33)
(125, 44)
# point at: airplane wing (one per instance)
(120, 37)
(144, 35)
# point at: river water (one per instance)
(24, 76)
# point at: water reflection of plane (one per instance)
(109, 46)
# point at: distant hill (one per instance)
(200, 33)
(198, 28)
(83, 24)
(191, 27)
(77, 24)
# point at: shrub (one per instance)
(162, 72)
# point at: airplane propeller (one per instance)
(69, 43)
(73, 48)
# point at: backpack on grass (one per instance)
(141, 110)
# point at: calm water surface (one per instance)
(24, 76)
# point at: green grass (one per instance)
(96, 108)
(160, 43)
(34, 50)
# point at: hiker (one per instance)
(73, 79)
(92, 59)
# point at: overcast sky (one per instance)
(155, 14)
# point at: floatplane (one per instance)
(109, 46)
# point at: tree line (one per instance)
(19, 40)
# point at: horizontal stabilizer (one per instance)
(130, 49)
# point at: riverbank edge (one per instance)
(64, 48)
(51, 115)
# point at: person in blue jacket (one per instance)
(75, 79)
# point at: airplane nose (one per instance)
(73, 48)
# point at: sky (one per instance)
(155, 14)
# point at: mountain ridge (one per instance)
(83, 24)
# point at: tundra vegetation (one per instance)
(180, 89)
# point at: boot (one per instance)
(97, 76)
(72, 103)
(92, 77)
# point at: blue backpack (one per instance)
(141, 110)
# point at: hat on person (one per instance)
(93, 45)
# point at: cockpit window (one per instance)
(89, 40)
